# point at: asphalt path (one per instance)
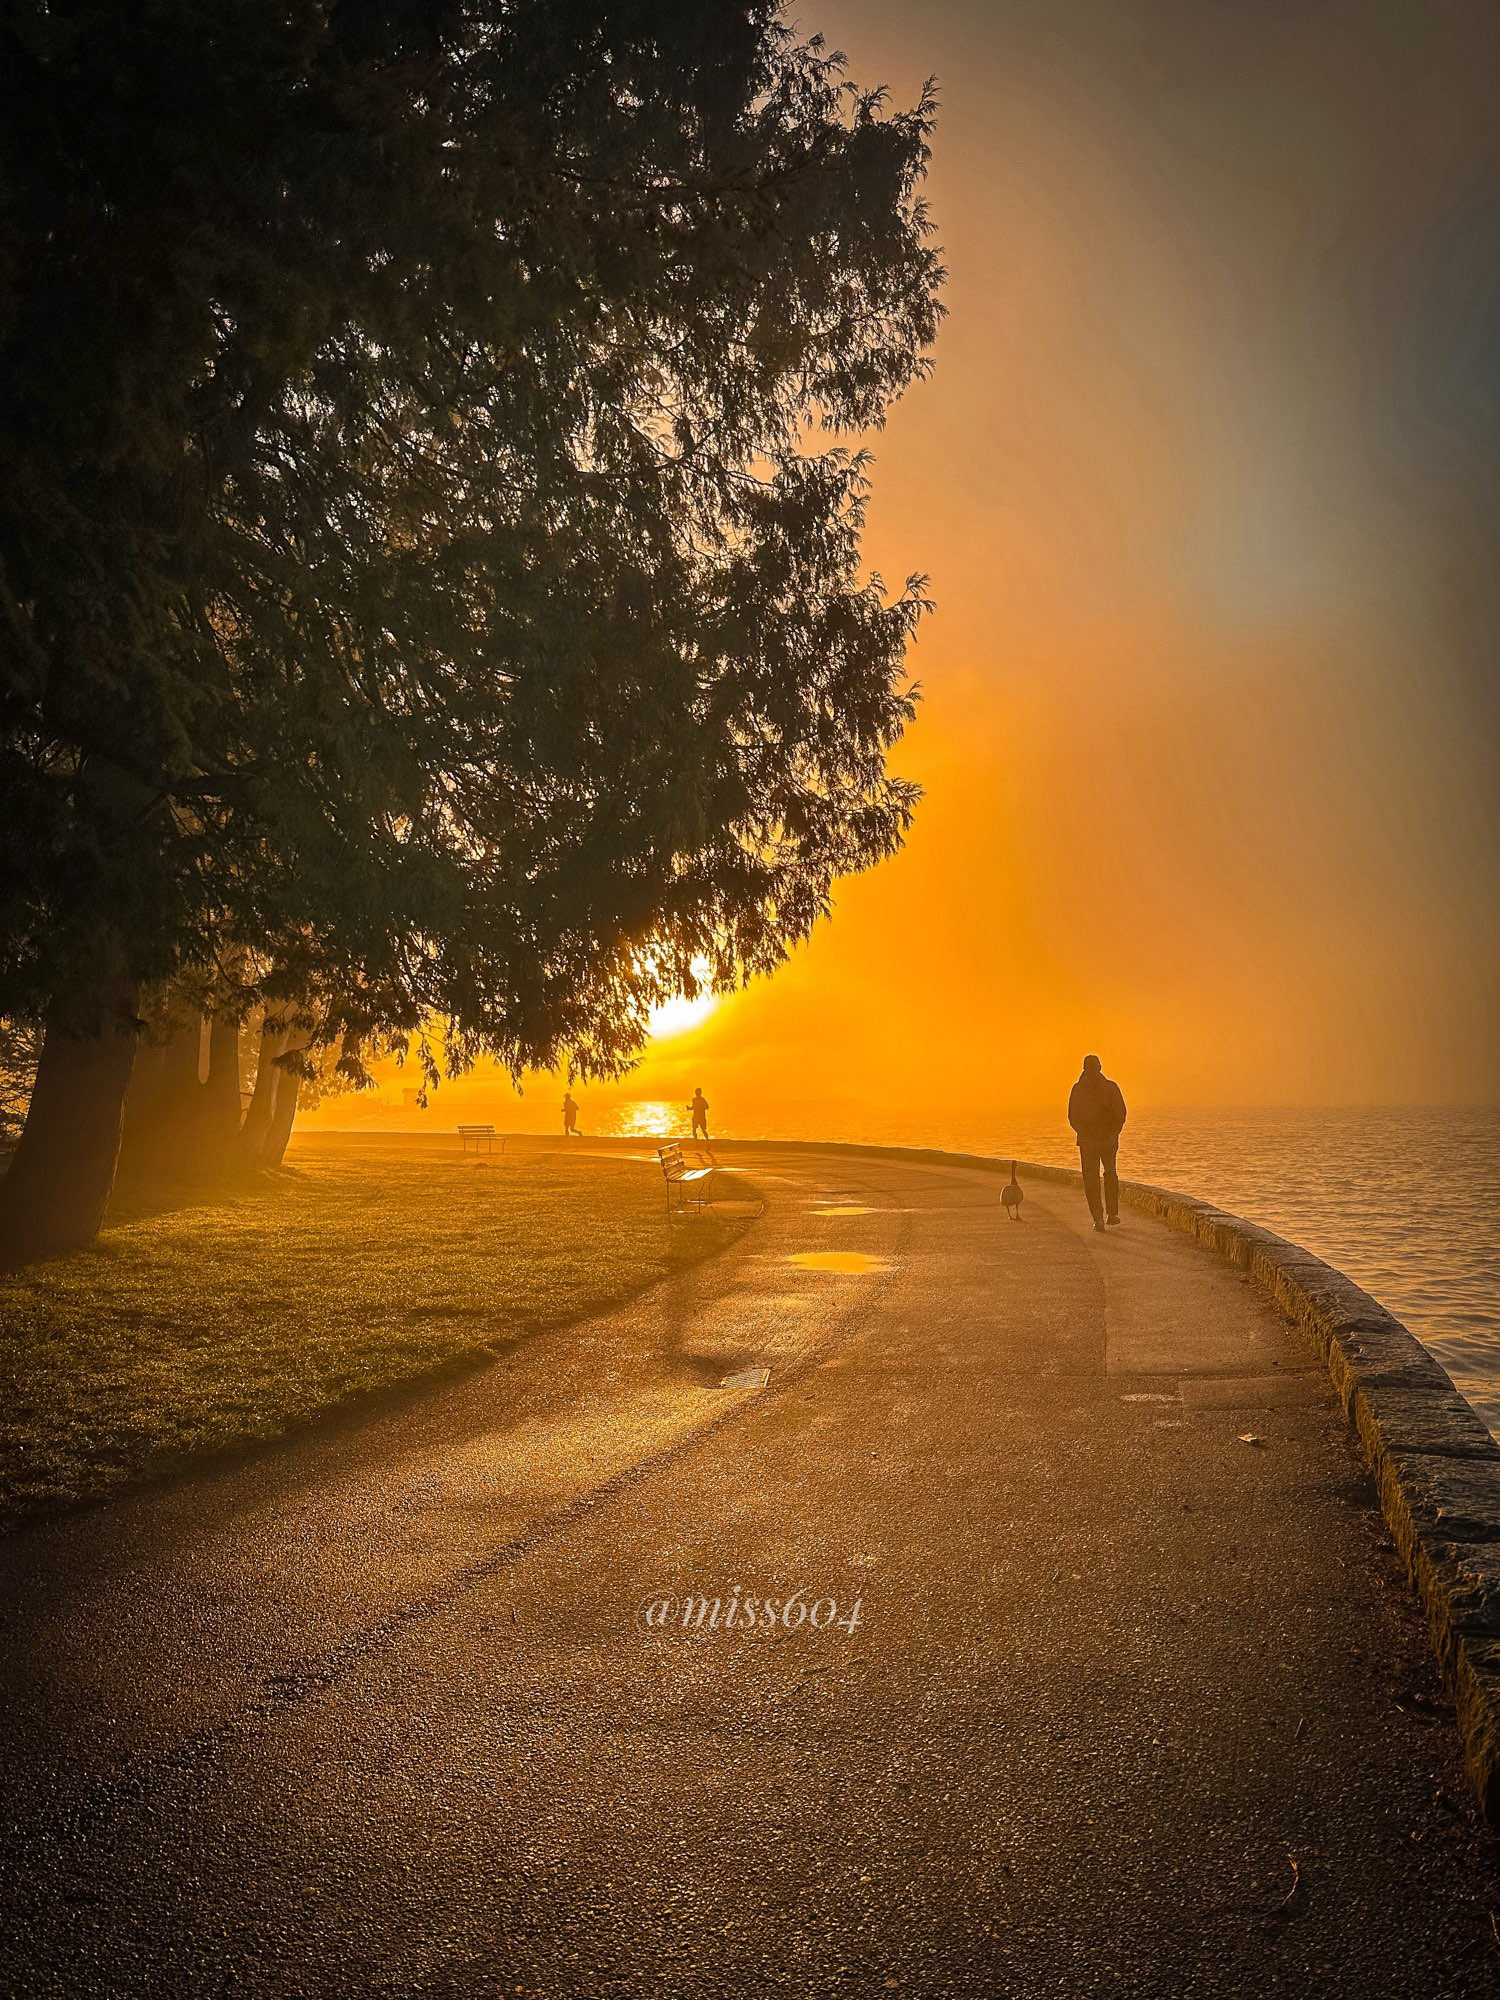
(1067, 1689)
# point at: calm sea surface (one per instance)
(1406, 1202)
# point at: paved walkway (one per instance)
(376, 1712)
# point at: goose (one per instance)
(1012, 1196)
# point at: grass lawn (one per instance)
(242, 1315)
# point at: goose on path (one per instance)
(1012, 1195)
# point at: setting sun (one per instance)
(675, 1016)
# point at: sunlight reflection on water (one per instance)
(644, 1118)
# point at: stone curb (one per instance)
(1437, 1468)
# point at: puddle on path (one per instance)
(850, 1263)
(852, 1209)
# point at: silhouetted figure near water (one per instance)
(570, 1117)
(699, 1109)
(1096, 1112)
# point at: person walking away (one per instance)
(1096, 1112)
(699, 1109)
(570, 1117)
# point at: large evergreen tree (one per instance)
(429, 563)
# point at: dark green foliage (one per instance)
(420, 569)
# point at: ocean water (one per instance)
(1405, 1201)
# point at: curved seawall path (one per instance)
(1435, 1463)
(1131, 1705)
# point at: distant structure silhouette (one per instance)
(1096, 1112)
(570, 1117)
(1012, 1195)
(699, 1109)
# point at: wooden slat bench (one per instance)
(687, 1187)
(478, 1135)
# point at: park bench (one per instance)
(478, 1135)
(687, 1187)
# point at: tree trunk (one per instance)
(161, 1111)
(147, 1076)
(256, 1131)
(183, 1124)
(54, 1197)
(288, 1089)
(177, 1108)
(218, 1122)
(142, 1104)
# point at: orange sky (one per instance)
(1205, 491)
